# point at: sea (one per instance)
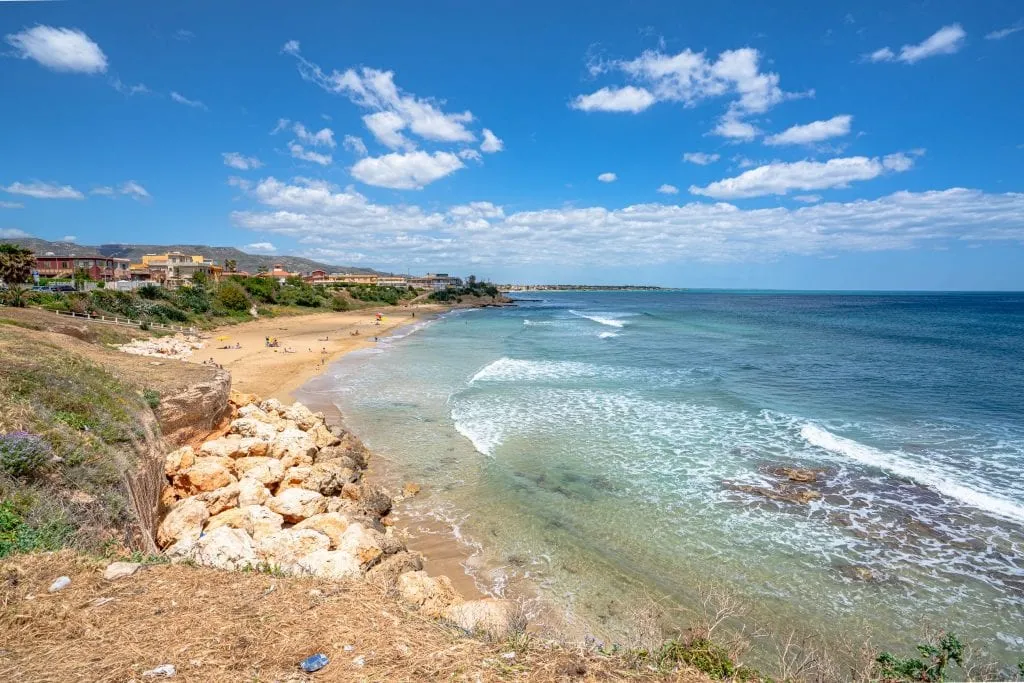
(607, 448)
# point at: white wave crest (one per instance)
(608, 335)
(603, 320)
(517, 370)
(893, 463)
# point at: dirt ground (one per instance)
(224, 626)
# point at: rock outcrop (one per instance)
(283, 491)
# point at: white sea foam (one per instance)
(602, 319)
(893, 463)
(517, 370)
(608, 335)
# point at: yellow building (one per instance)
(172, 269)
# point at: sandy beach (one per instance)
(308, 344)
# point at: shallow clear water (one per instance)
(594, 443)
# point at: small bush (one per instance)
(152, 398)
(22, 453)
(232, 296)
(151, 292)
(930, 665)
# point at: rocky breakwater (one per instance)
(178, 346)
(283, 491)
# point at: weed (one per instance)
(22, 454)
(930, 664)
(152, 398)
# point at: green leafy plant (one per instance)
(232, 296)
(152, 397)
(22, 453)
(930, 664)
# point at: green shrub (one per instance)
(232, 296)
(930, 664)
(262, 289)
(340, 303)
(152, 397)
(193, 298)
(22, 453)
(151, 292)
(168, 313)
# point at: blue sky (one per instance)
(871, 145)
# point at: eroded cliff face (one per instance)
(195, 411)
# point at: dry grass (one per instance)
(221, 626)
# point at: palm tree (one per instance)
(230, 265)
(16, 264)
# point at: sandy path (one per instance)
(315, 339)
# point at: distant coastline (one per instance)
(584, 288)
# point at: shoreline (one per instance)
(289, 377)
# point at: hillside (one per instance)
(246, 262)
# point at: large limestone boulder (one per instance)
(330, 564)
(251, 427)
(179, 460)
(367, 545)
(293, 447)
(497, 619)
(431, 595)
(207, 474)
(251, 492)
(235, 446)
(384, 575)
(241, 399)
(373, 501)
(297, 504)
(331, 524)
(272, 406)
(301, 416)
(294, 477)
(328, 478)
(254, 411)
(221, 499)
(225, 548)
(184, 521)
(323, 437)
(287, 547)
(256, 520)
(265, 470)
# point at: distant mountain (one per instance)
(247, 262)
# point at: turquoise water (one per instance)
(593, 444)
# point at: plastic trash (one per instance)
(60, 584)
(162, 671)
(314, 662)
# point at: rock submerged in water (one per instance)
(783, 493)
(798, 474)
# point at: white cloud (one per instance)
(321, 218)
(945, 41)
(807, 198)
(816, 131)
(700, 158)
(241, 183)
(386, 127)
(629, 98)
(781, 177)
(184, 35)
(40, 190)
(355, 144)
(125, 89)
(1005, 32)
(607, 177)
(60, 49)
(134, 190)
(882, 54)
(181, 99)
(730, 126)
(492, 143)
(11, 205)
(282, 124)
(668, 189)
(265, 247)
(409, 171)
(470, 154)
(690, 78)
(376, 90)
(300, 152)
(240, 161)
(69, 238)
(103, 191)
(322, 138)
(13, 233)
